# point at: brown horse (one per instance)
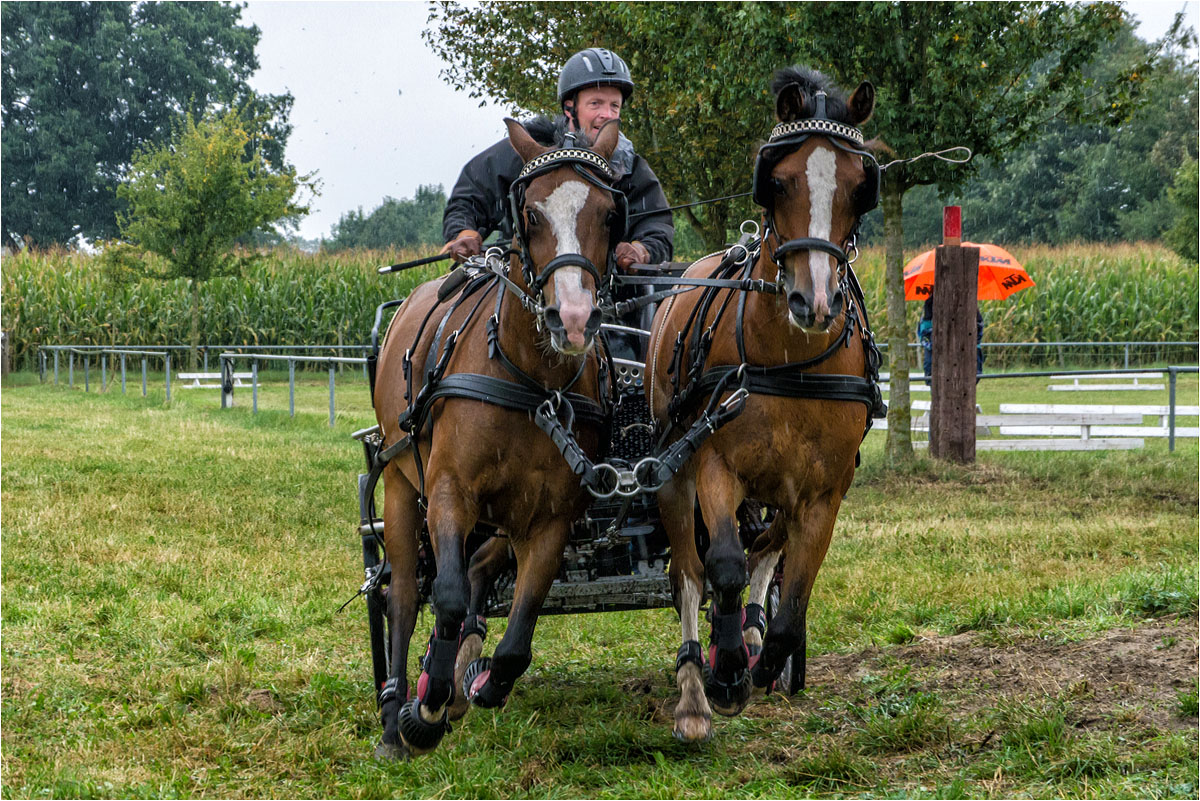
(802, 350)
(466, 445)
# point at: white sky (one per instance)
(372, 116)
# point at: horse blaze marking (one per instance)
(562, 209)
(822, 183)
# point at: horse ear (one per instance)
(862, 103)
(522, 142)
(606, 140)
(790, 103)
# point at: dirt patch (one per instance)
(1128, 677)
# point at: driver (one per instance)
(593, 87)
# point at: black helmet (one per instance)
(594, 67)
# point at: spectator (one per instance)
(925, 337)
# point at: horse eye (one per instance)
(778, 187)
(533, 217)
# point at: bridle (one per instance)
(594, 169)
(786, 138)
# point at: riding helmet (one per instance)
(594, 67)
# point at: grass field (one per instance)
(172, 574)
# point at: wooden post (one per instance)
(956, 291)
(5, 364)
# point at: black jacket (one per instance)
(479, 201)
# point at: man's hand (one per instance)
(468, 243)
(628, 253)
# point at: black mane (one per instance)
(810, 82)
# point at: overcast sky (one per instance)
(372, 115)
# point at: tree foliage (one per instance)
(1184, 196)
(395, 223)
(191, 199)
(85, 84)
(1083, 180)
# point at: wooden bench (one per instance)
(1075, 386)
(1099, 415)
(196, 378)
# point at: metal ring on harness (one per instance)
(600, 490)
(646, 472)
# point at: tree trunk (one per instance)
(899, 435)
(194, 334)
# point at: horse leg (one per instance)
(809, 533)
(728, 681)
(424, 720)
(401, 523)
(487, 563)
(764, 557)
(676, 503)
(489, 681)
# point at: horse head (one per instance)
(815, 181)
(566, 219)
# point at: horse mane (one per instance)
(810, 82)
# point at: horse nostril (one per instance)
(799, 306)
(839, 299)
(593, 323)
(553, 318)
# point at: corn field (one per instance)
(1084, 293)
(283, 298)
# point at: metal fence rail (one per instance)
(227, 360)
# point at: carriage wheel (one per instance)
(377, 622)
(377, 615)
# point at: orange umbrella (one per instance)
(1000, 274)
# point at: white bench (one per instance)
(196, 378)
(1099, 416)
(1075, 386)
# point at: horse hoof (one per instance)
(693, 729)
(728, 699)
(418, 735)
(478, 687)
(468, 652)
(391, 752)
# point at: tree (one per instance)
(191, 199)
(401, 223)
(85, 84)
(1184, 195)
(1083, 180)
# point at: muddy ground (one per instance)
(1127, 677)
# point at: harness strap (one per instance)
(797, 385)
(810, 243)
(509, 395)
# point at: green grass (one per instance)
(172, 574)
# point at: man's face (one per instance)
(596, 106)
